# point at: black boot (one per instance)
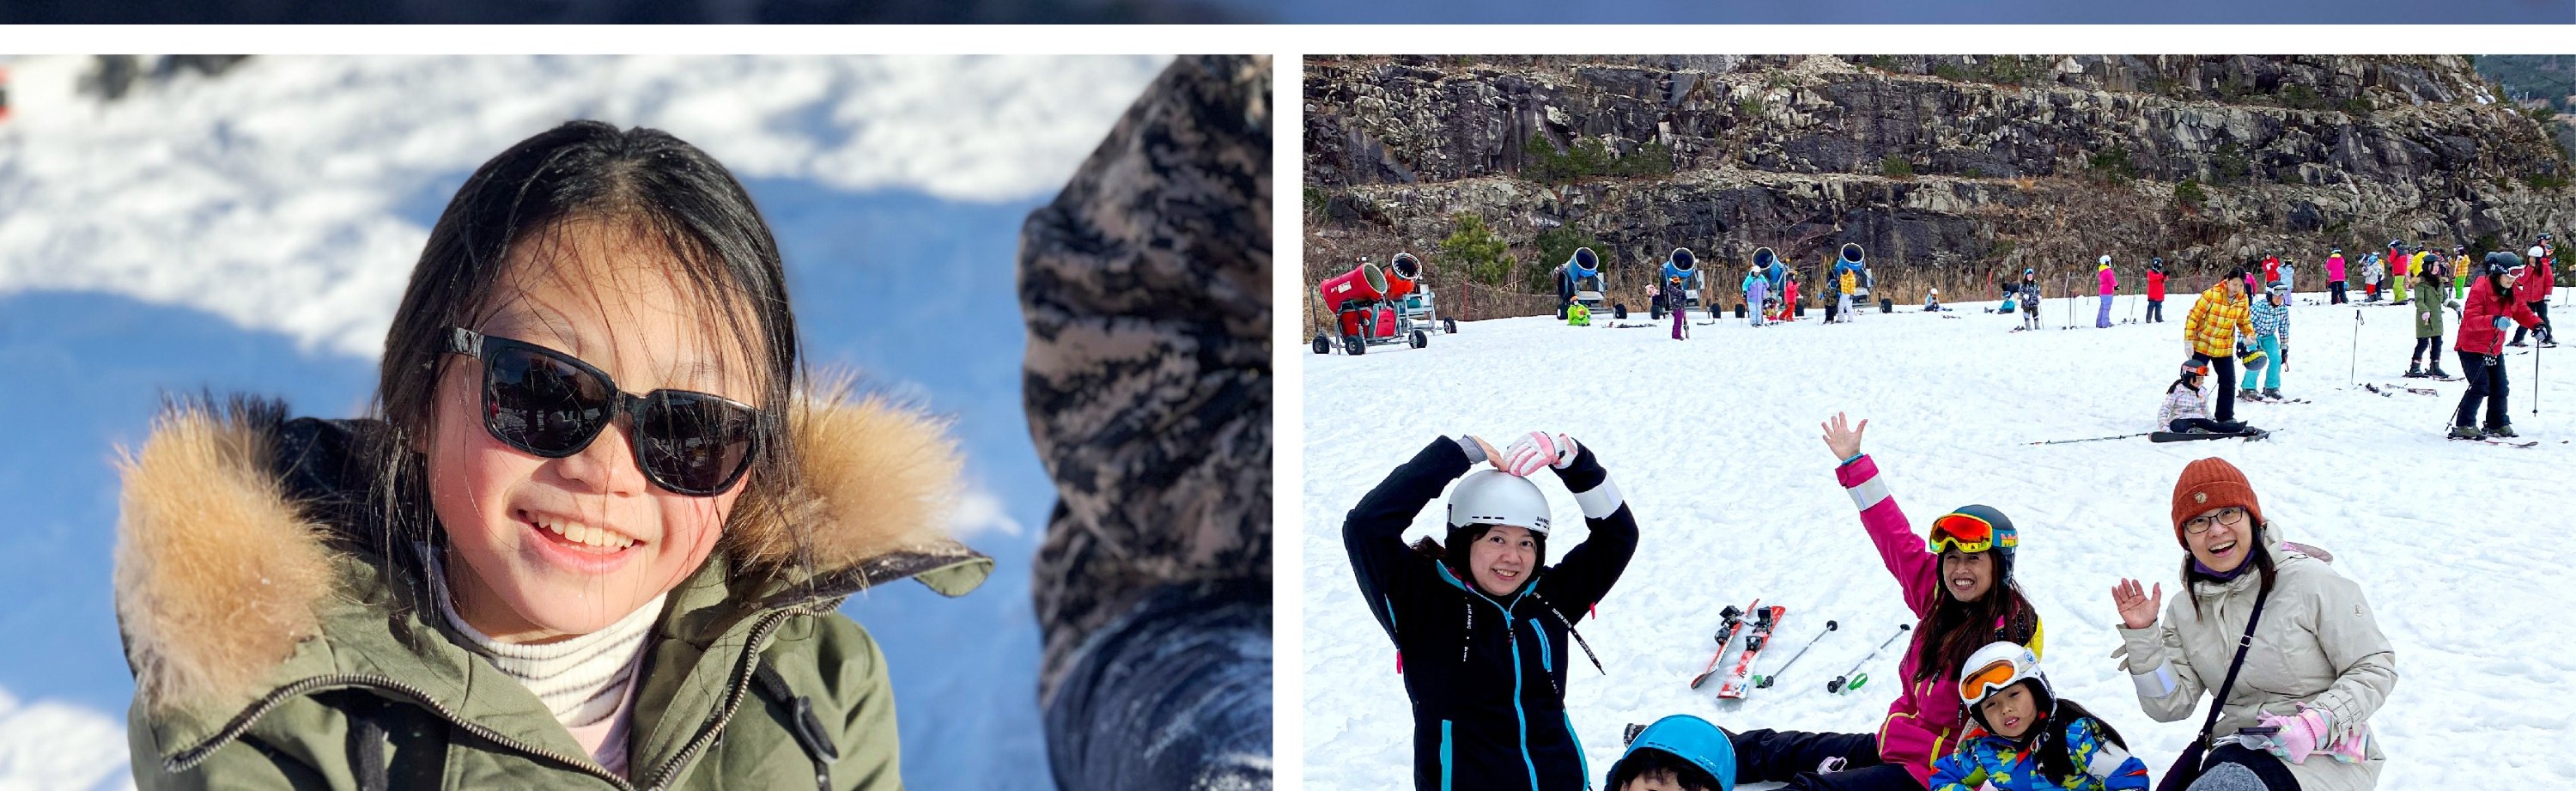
(2414, 369)
(2501, 430)
(2464, 432)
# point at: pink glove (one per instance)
(1538, 450)
(2299, 736)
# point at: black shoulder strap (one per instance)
(2219, 703)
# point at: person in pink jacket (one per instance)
(1961, 589)
(2334, 276)
(2110, 286)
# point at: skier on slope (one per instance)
(2462, 271)
(2491, 305)
(2110, 286)
(1960, 584)
(1932, 302)
(2210, 331)
(2025, 737)
(2271, 318)
(1483, 627)
(2398, 265)
(2316, 667)
(2428, 328)
(2373, 271)
(1680, 270)
(2156, 291)
(1848, 271)
(2533, 289)
(1789, 296)
(2334, 277)
(1757, 285)
(2030, 299)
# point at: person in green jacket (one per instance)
(593, 535)
(2428, 327)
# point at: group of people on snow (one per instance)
(1769, 286)
(1485, 631)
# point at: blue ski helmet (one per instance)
(1682, 258)
(1689, 738)
(1851, 252)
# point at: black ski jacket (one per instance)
(1486, 675)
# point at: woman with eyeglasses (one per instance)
(594, 536)
(2297, 715)
(1960, 585)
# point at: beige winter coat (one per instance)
(2318, 644)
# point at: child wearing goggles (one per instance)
(593, 535)
(2024, 737)
(1959, 582)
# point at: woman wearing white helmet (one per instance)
(1480, 622)
(2533, 289)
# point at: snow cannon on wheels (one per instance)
(1414, 301)
(1581, 282)
(1684, 266)
(1364, 303)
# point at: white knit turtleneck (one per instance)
(581, 680)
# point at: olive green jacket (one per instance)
(279, 639)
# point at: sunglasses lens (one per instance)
(693, 444)
(1965, 530)
(542, 405)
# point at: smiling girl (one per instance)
(2026, 738)
(1960, 584)
(1481, 623)
(592, 537)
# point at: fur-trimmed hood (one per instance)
(239, 529)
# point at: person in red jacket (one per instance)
(2533, 288)
(2156, 290)
(2271, 270)
(2481, 347)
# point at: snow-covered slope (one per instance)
(251, 232)
(2461, 547)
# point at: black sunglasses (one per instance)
(552, 404)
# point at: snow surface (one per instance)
(2461, 547)
(251, 232)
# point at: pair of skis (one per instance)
(1756, 631)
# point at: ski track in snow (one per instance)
(2459, 546)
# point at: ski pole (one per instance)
(2353, 372)
(2090, 439)
(1854, 677)
(1764, 682)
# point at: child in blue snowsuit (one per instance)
(2271, 316)
(2022, 738)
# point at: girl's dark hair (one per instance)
(2261, 558)
(649, 185)
(2180, 383)
(2055, 761)
(1662, 765)
(1955, 629)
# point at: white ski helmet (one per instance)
(2535, 252)
(1495, 497)
(1996, 668)
(2106, 260)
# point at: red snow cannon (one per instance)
(1350, 295)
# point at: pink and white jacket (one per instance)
(1924, 722)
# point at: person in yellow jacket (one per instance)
(2216, 320)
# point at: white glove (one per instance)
(1537, 450)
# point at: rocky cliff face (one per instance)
(1944, 168)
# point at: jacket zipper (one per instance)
(191, 757)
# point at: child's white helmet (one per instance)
(1996, 668)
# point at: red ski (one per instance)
(1725, 634)
(1740, 679)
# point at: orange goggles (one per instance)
(1967, 533)
(1996, 675)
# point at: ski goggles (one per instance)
(1968, 533)
(551, 404)
(1974, 685)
